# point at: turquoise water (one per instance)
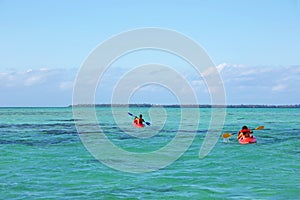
(42, 157)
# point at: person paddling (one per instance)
(140, 120)
(245, 132)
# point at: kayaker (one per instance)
(141, 120)
(245, 132)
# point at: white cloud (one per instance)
(66, 85)
(221, 66)
(35, 77)
(198, 83)
(243, 85)
(20, 78)
(262, 84)
(36, 87)
(259, 84)
(31, 80)
(279, 88)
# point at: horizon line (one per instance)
(167, 105)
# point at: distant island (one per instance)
(186, 106)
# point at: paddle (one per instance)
(132, 115)
(227, 135)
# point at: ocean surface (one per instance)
(43, 157)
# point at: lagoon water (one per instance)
(42, 157)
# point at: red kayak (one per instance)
(138, 125)
(247, 140)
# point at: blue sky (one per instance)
(44, 43)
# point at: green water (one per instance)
(42, 157)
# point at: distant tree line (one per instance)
(146, 105)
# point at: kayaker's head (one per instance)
(141, 116)
(245, 127)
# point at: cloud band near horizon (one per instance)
(243, 84)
